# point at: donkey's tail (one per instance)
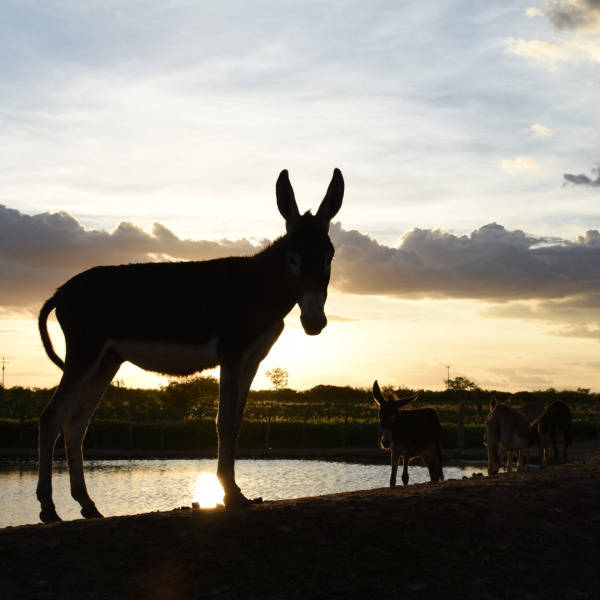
(48, 307)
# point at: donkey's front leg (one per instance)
(237, 373)
(230, 397)
(405, 461)
(226, 453)
(504, 459)
(395, 461)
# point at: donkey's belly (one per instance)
(518, 443)
(547, 438)
(169, 358)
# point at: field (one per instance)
(522, 536)
(181, 417)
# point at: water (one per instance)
(125, 487)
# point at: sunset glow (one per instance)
(208, 491)
(467, 136)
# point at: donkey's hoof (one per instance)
(49, 516)
(91, 513)
(238, 500)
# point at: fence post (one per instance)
(460, 432)
(130, 425)
(304, 426)
(269, 426)
(22, 425)
(200, 415)
(162, 426)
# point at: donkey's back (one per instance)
(417, 430)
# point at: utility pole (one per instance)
(448, 380)
(4, 362)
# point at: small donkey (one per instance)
(178, 319)
(410, 434)
(552, 427)
(507, 433)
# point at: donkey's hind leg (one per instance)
(75, 428)
(554, 436)
(433, 461)
(50, 424)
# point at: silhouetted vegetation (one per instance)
(182, 414)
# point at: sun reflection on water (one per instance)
(208, 491)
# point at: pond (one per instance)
(124, 487)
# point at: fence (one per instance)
(280, 425)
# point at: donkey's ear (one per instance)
(377, 395)
(333, 199)
(402, 402)
(286, 200)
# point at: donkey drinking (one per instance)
(410, 434)
(178, 319)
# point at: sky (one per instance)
(468, 134)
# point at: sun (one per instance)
(208, 491)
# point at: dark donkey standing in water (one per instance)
(410, 434)
(178, 319)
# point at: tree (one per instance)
(279, 378)
(461, 384)
(183, 399)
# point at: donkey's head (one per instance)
(389, 413)
(491, 439)
(309, 250)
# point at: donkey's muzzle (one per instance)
(313, 325)
(312, 313)
(386, 439)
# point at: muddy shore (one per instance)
(524, 536)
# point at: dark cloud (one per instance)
(490, 264)
(39, 253)
(584, 179)
(574, 15)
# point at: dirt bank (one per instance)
(511, 536)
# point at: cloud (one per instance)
(491, 264)
(572, 317)
(520, 166)
(584, 180)
(39, 253)
(561, 51)
(577, 17)
(582, 16)
(533, 12)
(538, 130)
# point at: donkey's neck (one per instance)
(271, 276)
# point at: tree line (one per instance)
(181, 415)
(196, 398)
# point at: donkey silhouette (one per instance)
(179, 319)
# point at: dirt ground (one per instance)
(523, 536)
